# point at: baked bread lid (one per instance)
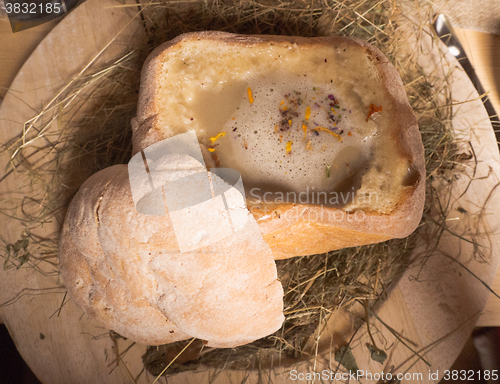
(125, 270)
(319, 128)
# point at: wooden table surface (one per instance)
(16, 48)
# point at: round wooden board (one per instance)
(68, 348)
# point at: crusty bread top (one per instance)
(380, 154)
(125, 270)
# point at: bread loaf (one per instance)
(124, 269)
(319, 128)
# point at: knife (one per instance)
(444, 31)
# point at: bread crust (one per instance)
(303, 229)
(124, 269)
